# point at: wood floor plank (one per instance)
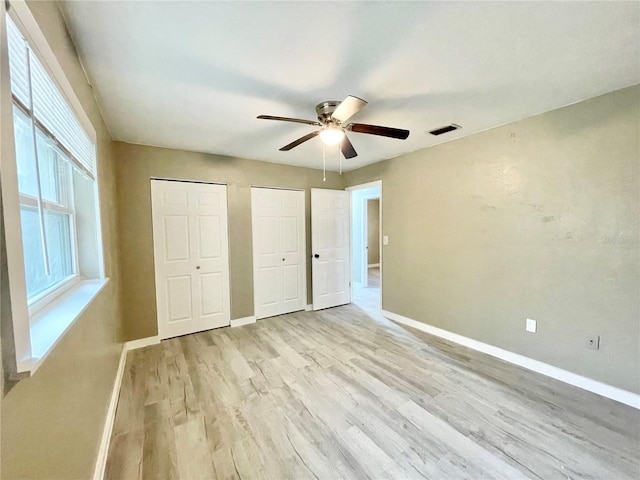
(346, 393)
(192, 453)
(374, 461)
(127, 437)
(159, 454)
(465, 450)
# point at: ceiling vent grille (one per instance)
(446, 129)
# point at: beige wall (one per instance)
(373, 231)
(137, 164)
(536, 219)
(52, 422)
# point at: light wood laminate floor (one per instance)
(339, 394)
(368, 298)
(373, 277)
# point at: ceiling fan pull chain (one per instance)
(339, 157)
(324, 163)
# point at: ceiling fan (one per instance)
(331, 117)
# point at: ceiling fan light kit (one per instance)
(331, 135)
(332, 116)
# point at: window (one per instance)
(50, 145)
(46, 210)
(57, 230)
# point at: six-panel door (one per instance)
(191, 254)
(279, 263)
(331, 268)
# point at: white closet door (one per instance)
(191, 253)
(331, 272)
(279, 252)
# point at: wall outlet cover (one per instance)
(531, 325)
(385, 240)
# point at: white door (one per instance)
(330, 248)
(191, 253)
(279, 251)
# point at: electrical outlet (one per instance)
(531, 325)
(593, 342)
(385, 240)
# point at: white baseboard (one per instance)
(371, 265)
(103, 451)
(589, 384)
(308, 308)
(238, 322)
(141, 342)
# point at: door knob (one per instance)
(316, 256)
(198, 267)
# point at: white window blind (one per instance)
(49, 106)
(18, 64)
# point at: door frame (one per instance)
(183, 180)
(305, 253)
(364, 186)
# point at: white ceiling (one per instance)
(194, 75)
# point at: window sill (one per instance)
(52, 322)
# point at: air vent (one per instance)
(447, 129)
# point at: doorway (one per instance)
(366, 246)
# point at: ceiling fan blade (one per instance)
(347, 148)
(378, 130)
(348, 108)
(287, 119)
(297, 142)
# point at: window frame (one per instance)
(49, 294)
(73, 295)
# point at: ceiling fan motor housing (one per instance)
(325, 110)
